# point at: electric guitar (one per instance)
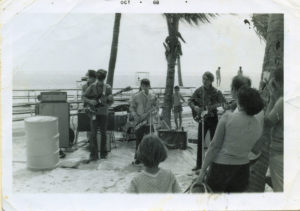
(205, 111)
(102, 101)
(142, 120)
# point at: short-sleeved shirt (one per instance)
(205, 97)
(276, 116)
(163, 181)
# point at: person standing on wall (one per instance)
(240, 71)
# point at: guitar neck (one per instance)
(212, 106)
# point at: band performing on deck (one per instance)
(236, 127)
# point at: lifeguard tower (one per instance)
(139, 76)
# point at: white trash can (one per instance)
(42, 140)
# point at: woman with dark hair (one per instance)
(236, 134)
(238, 82)
(153, 179)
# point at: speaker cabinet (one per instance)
(62, 111)
(120, 120)
(83, 123)
(173, 139)
(53, 97)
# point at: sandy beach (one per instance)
(111, 175)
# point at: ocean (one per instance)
(120, 81)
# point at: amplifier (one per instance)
(62, 111)
(120, 120)
(83, 121)
(173, 139)
(53, 97)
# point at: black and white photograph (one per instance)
(134, 104)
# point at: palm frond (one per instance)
(260, 23)
(192, 18)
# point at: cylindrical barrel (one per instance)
(42, 140)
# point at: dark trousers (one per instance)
(210, 124)
(139, 134)
(101, 123)
(228, 178)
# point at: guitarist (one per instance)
(202, 98)
(99, 97)
(91, 78)
(140, 105)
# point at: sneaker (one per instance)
(61, 154)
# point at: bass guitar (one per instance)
(102, 101)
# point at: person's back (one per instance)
(242, 132)
(163, 181)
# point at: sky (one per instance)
(54, 50)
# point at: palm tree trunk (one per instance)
(180, 83)
(172, 22)
(114, 50)
(273, 59)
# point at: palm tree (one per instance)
(173, 49)
(270, 29)
(114, 49)
(180, 83)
